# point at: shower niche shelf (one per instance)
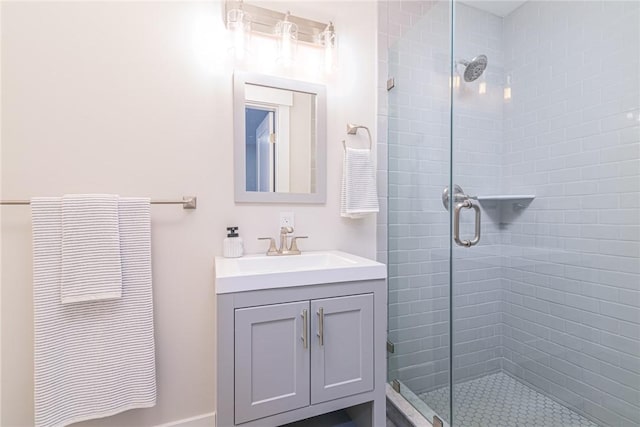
(519, 201)
(526, 198)
(509, 197)
(505, 208)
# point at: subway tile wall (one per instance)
(552, 294)
(571, 314)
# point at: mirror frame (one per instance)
(239, 139)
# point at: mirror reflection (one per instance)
(280, 143)
(280, 140)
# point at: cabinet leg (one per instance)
(370, 414)
(379, 412)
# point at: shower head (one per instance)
(474, 68)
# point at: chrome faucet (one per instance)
(283, 250)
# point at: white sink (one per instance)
(254, 272)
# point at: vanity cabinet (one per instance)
(293, 353)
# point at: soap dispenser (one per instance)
(232, 245)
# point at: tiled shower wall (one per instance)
(418, 160)
(572, 267)
(551, 295)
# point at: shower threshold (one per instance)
(499, 400)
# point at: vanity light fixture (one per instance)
(285, 29)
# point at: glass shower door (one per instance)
(477, 103)
(418, 225)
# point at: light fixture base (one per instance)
(264, 20)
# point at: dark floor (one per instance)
(333, 419)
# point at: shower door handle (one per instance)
(456, 224)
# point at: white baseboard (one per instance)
(204, 420)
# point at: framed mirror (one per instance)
(280, 152)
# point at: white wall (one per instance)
(135, 99)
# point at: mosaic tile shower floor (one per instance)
(499, 400)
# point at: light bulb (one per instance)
(454, 81)
(287, 33)
(482, 86)
(328, 39)
(239, 26)
(507, 89)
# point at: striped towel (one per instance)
(97, 358)
(359, 195)
(91, 268)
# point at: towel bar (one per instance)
(187, 202)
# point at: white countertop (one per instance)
(255, 272)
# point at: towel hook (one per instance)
(353, 129)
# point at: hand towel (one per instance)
(359, 194)
(91, 266)
(97, 358)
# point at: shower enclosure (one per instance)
(513, 217)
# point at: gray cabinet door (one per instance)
(271, 361)
(341, 347)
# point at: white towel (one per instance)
(91, 267)
(92, 359)
(359, 195)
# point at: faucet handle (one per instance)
(272, 245)
(286, 230)
(294, 245)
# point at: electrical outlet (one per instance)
(287, 219)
